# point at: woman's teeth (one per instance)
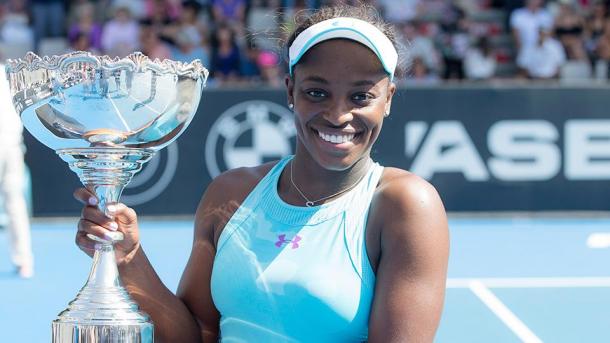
(336, 138)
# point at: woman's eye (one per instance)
(362, 97)
(316, 93)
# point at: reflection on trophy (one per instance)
(105, 117)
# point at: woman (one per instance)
(569, 27)
(594, 29)
(225, 59)
(325, 246)
(86, 25)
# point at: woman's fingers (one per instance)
(84, 196)
(94, 215)
(85, 243)
(124, 215)
(87, 227)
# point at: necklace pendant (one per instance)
(309, 204)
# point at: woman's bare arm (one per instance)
(412, 268)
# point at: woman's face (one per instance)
(224, 35)
(340, 94)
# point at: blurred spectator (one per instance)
(263, 23)
(82, 42)
(544, 59)
(249, 62)
(166, 11)
(300, 4)
(151, 45)
(269, 66)
(472, 6)
(400, 11)
(420, 75)
(480, 62)
(48, 17)
(189, 47)
(454, 42)
(526, 22)
(162, 16)
(15, 29)
(120, 35)
(289, 13)
(434, 10)
(225, 62)
(603, 49)
(569, 30)
(438, 32)
(137, 8)
(232, 12)
(594, 28)
(330, 3)
(189, 17)
(420, 46)
(85, 25)
(12, 182)
(74, 11)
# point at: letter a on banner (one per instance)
(449, 149)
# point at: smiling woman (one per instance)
(322, 246)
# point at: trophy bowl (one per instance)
(105, 117)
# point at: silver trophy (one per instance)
(106, 118)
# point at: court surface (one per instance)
(510, 280)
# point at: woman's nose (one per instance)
(339, 114)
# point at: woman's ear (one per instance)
(289, 81)
(390, 95)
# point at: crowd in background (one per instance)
(238, 40)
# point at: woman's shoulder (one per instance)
(403, 191)
(237, 183)
(406, 211)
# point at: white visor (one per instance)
(347, 28)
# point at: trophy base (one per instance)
(64, 332)
(103, 311)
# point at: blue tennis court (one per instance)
(510, 280)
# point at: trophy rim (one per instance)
(136, 62)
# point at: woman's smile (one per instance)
(334, 139)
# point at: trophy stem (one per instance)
(105, 171)
(103, 310)
(104, 272)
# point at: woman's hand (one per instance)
(94, 222)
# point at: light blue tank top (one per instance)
(285, 273)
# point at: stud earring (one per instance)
(291, 106)
(386, 114)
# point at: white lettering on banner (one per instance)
(523, 150)
(587, 148)
(414, 134)
(448, 149)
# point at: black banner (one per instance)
(485, 149)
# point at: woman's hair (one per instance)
(215, 41)
(306, 18)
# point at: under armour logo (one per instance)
(281, 239)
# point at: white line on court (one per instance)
(531, 282)
(503, 312)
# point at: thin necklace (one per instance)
(310, 203)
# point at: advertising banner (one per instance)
(484, 149)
